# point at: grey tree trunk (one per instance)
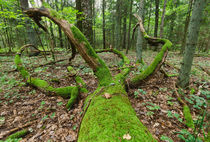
(192, 37)
(32, 38)
(187, 21)
(87, 24)
(162, 19)
(104, 34)
(149, 17)
(78, 16)
(124, 24)
(156, 17)
(129, 26)
(118, 25)
(139, 44)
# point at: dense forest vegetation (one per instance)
(104, 70)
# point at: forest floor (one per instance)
(48, 120)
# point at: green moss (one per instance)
(102, 72)
(20, 67)
(18, 134)
(110, 119)
(80, 81)
(149, 70)
(188, 117)
(41, 84)
(71, 70)
(74, 95)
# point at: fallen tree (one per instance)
(108, 114)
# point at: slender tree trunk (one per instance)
(156, 17)
(129, 27)
(59, 29)
(162, 19)
(30, 31)
(104, 34)
(87, 22)
(192, 37)
(124, 25)
(149, 17)
(187, 21)
(78, 16)
(94, 22)
(118, 25)
(139, 44)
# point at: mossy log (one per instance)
(105, 118)
(158, 60)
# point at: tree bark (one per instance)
(139, 44)
(87, 22)
(124, 24)
(118, 25)
(187, 21)
(192, 37)
(104, 34)
(30, 31)
(156, 17)
(79, 15)
(129, 27)
(162, 19)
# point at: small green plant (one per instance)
(45, 117)
(186, 136)
(152, 106)
(165, 138)
(196, 100)
(149, 113)
(138, 92)
(52, 115)
(170, 114)
(42, 104)
(60, 103)
(74, 127)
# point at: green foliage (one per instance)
(165, 138)
(186, 136)
(139, 92)
(152, 106)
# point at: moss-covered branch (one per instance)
(157, 62)
(65, 92)
(77, 39)
(18, 134)
(126, 67)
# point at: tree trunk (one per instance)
(192, 37)
(104, 34)
(156, 17)
(149, 17)
(187, 21)
(118, 25)
(30, 31)
(139, 44)
(162, 19)
(78, 16)
(59, 29)
(87, 22)
(129, 27)
(124, 24)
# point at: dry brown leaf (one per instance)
(126, 137)
(107, 95)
